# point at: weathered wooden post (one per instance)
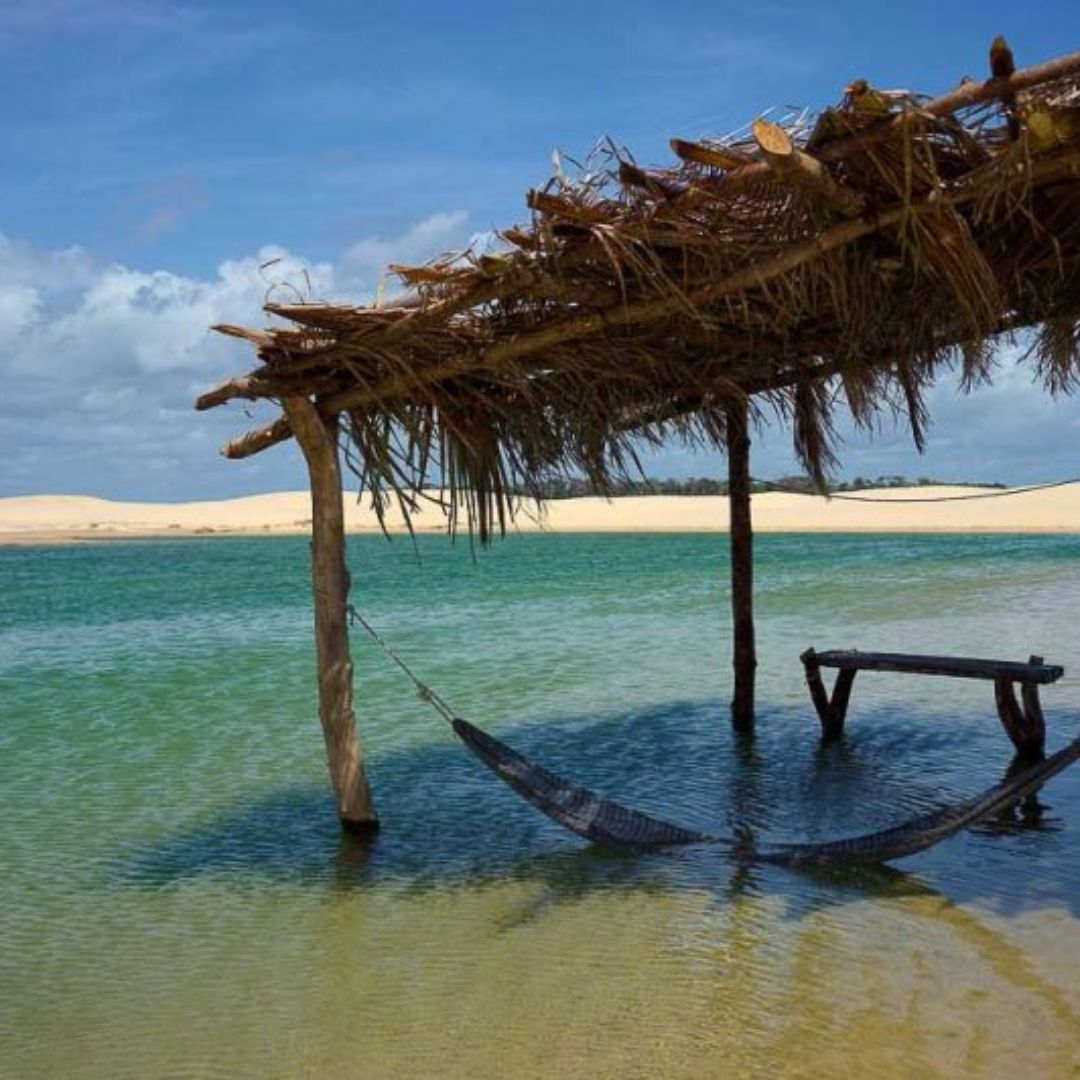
(330, 583)
(744, 655)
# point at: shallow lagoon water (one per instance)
(177, 898)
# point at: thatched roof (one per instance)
(844, 257)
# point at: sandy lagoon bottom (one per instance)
(177, 899)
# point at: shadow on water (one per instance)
(448, 823)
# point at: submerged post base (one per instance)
(366, 828)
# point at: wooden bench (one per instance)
(1024, 725)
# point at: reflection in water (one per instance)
(449, 821)
(1024, 814)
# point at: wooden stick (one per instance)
(240, 387)
(263, 383)
(803, 171)
(261, 439)
(330, 583)
(717, 157)
(806, 365)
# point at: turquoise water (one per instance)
(177, 898)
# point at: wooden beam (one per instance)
(265, 383)
(253, 442)
(809, 365)
(243, 386)
(744, 655)
(330, 585)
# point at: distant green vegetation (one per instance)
(574, 488)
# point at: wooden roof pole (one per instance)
(330, 584)
(744, 653)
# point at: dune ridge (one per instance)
(66, 518)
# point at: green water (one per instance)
(176, 898)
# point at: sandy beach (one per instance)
(65, 518)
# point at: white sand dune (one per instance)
(55, 518)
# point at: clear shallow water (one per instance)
(178, 900)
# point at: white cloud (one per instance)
(52, 271)
(20, 307)
(364, 264)
(102, 363)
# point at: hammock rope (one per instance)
(423, 691)
(1002, 493)
(609, 823)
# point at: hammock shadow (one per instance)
(448, 823)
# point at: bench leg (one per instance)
(1034, 724)
(1025, 727)
(841, 695)
(818, 694)
(831, 711)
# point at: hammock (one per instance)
(610, 824)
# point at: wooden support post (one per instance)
(818, 694)
(744, 656)
(1012, 718)
(1025, 726)
(832, 711)
(330, 582)
(1034, 723)
(841, 696)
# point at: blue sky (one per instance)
(158, 152)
